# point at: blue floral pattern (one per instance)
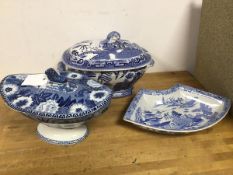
(72, 101)
(113, 62)
(173, 113)
(49, 106)
(119, 81)
(98, 95)
(74, 76)
(23, 102)
(93, 84)
(10, 89)
(77, 108)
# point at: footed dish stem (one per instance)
(63, 134)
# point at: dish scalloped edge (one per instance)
(133, 104)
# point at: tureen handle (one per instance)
(113, 37)
(54, 76)
(151, 63)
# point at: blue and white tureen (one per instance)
(113, 62)
(61, 102)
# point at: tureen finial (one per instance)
(113, 37)
(54, 76)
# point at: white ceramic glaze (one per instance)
(63, 101)
(62, 135)
(180, 109)
(113, 61)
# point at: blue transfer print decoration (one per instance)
(109, 54)
(67, 97)
(121, 82)
(113, 61)
(173, 113)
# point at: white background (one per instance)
(34, 33)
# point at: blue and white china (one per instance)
(61, 102)
(180, 109)
(113, 62)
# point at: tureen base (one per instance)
(64, 134)
(122, 93)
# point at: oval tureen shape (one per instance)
(113, 53)
(65, 97)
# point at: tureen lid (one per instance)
(53, 96)
(113, 53)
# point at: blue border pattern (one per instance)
(133, 106)
(56, 117)
(56, 142)
(108, 65)
(112, 53)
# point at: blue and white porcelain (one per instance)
(61, 102)
(180, 109)
(113, 62)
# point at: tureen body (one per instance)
(62, 103)
(113, 62)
